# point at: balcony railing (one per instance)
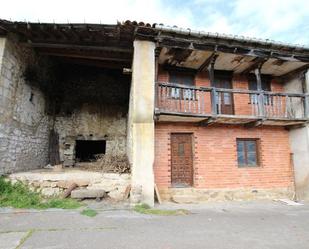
(209, 101)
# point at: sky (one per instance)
(279, 20)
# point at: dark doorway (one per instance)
(86, 150)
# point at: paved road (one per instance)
(255, 225)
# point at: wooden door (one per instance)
(225, 103)
(182, 160)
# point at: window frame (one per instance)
(245, 151)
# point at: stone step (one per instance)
(87, 193)
(185, 199)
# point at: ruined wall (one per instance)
(92, 104)
(23, 123)
(92, 123)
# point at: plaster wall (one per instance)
(141, 122)
(299, 142)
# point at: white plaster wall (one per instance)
(23, 123)
(141, 122)
(299, 142)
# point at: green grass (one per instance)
(145, 209)
(19, 195)
(89, 212)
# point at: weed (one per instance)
(18, 195)
(89, 212)
(145, 209)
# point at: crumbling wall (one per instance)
(23, 123)
(92, 123)
(91, 104)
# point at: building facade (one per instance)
(202, 116)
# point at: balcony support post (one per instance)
(213, 96)
(305, 90)
(257, 72)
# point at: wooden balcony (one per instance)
(207, 105)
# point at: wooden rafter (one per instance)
(208, 60)
(258, 63)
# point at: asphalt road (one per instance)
(254, 225)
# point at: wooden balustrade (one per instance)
(210, 101)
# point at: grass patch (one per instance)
(145, 209)
(89, 212)
(19, 195)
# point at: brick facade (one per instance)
(215, 152)
(215, 156)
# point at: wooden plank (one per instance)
(157, 194)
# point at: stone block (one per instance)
(79, 182)
(45, 184)
(118, 193)
(50, 192)
(87, 193)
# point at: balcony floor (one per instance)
(226, 119)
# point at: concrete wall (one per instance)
(141, 122)
(299, 141)
(23, 123)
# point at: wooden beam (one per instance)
(253, 124)
(207, 45)
(208, 60)
(85, 56)
(207, 122)
(211, 69)
(71, 46)
(293, 73)
(258, 62)
(94, 63)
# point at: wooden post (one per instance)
(261, 106)
(213, 97)
(305, 82)
(306, 109)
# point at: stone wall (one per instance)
(92, 104)
(52, 183)
(23, 123)
(194, 195)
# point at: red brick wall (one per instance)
(215, 161)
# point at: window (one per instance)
(182, 78)
(247, 152)
(252, 85)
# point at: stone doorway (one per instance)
(88, 150)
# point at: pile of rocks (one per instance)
(54, 183)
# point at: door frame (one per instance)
(228, 76)
(192, 155)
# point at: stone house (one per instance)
(201, 115)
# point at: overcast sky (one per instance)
(280, 20)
